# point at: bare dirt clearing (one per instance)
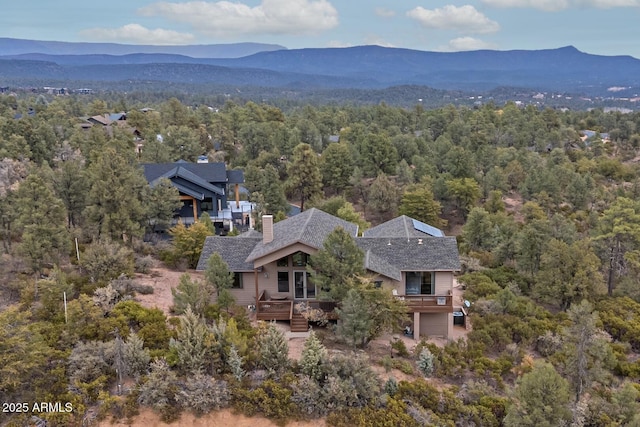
(162, 279)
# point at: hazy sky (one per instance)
(606, 27)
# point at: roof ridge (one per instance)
(304, 227)
(404, 222)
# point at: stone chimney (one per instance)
(267, 229)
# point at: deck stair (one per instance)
(299, 323)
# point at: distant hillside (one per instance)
(564, 70)
(9, 46)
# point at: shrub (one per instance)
(144, 264)
(271, 399)
(103, 261)
(202, 394)
(160, 388)
(425, 362)
(399, 346)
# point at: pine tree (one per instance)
(382, 196)
(418, 203)
(136, 357)
(305, 179)
(115, 203)
(190, 343)
(541, 399)
(217, 274)
(355, 321)
(425, 362)
(190, 293)
(339, 259)
(273, 350)
(314, 357)
(235, 362)
(337, 166)
(41, 221)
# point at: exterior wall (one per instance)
(444, 282)
(391, 284)
(247, 295)
(435, 324)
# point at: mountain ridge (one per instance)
(564, 70)
(12, 46)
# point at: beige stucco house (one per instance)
(414, 260)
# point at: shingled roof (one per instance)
(311, 228)
(416, 254)
(233, 250)
(408, 250)
(403, 226)
(210, 172)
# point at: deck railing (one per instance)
(273, 310)
(428, 303)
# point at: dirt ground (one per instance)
(162, 279)
(224, 418)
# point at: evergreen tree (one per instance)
(116, 196)
(71, 186)
(217, 274)
(382, 196)
(41, 220)
(355, 319)
(339, 259)
(418, 203)
(314, 358)
(190, 343)
(618, 236)
(465, 192)
(273, 350)
(160, 387)
(337, 166)
(585, 349)
(162, 201)
(235, 362)
(425, 362)
(136, 357)
(191, 294)
(541, 400)
(569, 273)
(305, 180)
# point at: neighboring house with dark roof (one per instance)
(203, 187)
(416, 261)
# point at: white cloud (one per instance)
(224, 18)
(466, 43)
(464, 18)
(136, 33)
(383, 12)
(555, 5)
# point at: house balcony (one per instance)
(428, 303)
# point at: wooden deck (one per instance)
(428, 303)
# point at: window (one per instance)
(420, 283)
(283, 281)
(300, 259)
(237, 281)
(283, 262)
(377, 283)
